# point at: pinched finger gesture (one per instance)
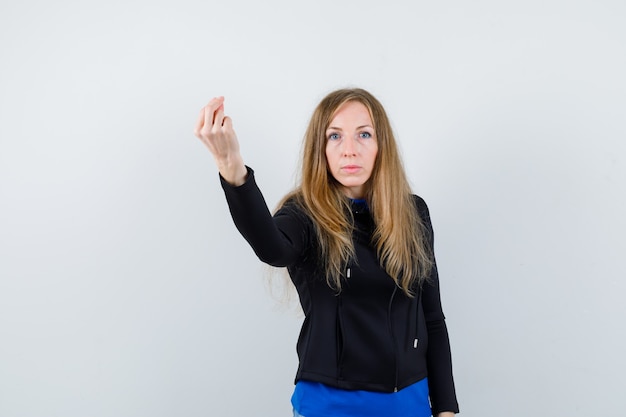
(215, 130)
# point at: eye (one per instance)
(365, 135)
(333, 136)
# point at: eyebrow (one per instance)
(358, 127)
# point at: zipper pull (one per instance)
(415, 343)
(348, 273)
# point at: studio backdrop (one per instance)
(125, 289)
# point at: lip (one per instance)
(350, 168)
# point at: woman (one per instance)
(359, 249)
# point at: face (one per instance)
(351, 148)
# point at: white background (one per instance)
(125, 289)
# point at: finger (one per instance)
(209, 110)
(228, 123)
(219, 117)
(199, 123)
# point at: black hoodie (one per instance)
(371, 335)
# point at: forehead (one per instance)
(351, 112)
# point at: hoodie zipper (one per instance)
(417, 318)
(393, 338)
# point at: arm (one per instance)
(438, 357)
(278, 241)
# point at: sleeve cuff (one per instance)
(249, 180)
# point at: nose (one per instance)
(349, 146)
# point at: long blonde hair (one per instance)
(400, 236)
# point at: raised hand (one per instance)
(215, 130)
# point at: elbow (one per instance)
(273, 259)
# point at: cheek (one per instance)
(374, 156)
(330, 159)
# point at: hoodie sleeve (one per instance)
(438, 356)
(278, 240)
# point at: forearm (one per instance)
(440, 379)
(276, 240)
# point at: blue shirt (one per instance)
(314, 399)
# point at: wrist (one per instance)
(233, 170)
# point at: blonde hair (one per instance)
(400, 236)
